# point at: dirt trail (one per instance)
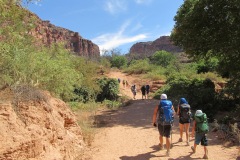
(128, 135)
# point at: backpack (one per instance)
(201, 123)
(132, 88)
(185, 112)
(165, 112)
(143, 89)
(147, 87)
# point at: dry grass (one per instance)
(85, 121)
(85, 117)
(25, 93)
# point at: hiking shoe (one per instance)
(180, 140)
(205, 156)
(161, 146)
(168, 153)
(193, 149)
(188, 144)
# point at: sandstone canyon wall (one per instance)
(148, 48)
(48, 34)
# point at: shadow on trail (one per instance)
(149, 155)
(137, 114)
(143, 156)
(187, 157)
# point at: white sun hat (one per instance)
(198, 112)
(163, 96)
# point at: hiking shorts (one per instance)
(164, 130)
(147, 91)
(183, 121)
(201, 137)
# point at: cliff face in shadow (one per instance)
(149, 48)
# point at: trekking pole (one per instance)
(188, 143)
(171, 145)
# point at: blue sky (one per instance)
(111, 24)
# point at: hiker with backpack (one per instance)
(184, 113)
(134, 91)
(163, 119)
(124, 83)
(200, 128)
(143, 90)
(147, 90)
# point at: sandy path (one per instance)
(128, 135)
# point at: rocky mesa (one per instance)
(148, 48)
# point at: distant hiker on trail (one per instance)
(124, 83)
(127, 83)
(147, 90)
(200, 128)
(184, 114)
(143, 90)
(163, 118)
(134, 90)
(119, 80)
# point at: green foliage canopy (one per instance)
(118, 61)
(162, 58)
(109, 89)
(138, 67)
(211, 25)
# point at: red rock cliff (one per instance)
(148, 48)
(48, 34)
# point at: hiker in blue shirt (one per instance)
(163, 119)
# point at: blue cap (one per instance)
(183, 101)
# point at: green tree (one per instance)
(118, 61)
(211, 25)
(162, 58)
(109, 89)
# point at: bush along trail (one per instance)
(128, 134)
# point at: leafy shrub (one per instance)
(118, 61)
(138, 67)
(109, 89)
(209, 65)
(162, 58)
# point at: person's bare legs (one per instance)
(186, 126)
(168, 142)
(161, 140)
(206, 152)
(194, 148)
(181, 131)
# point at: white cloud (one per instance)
(110, 41)
(143, 1)
(115, 6)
